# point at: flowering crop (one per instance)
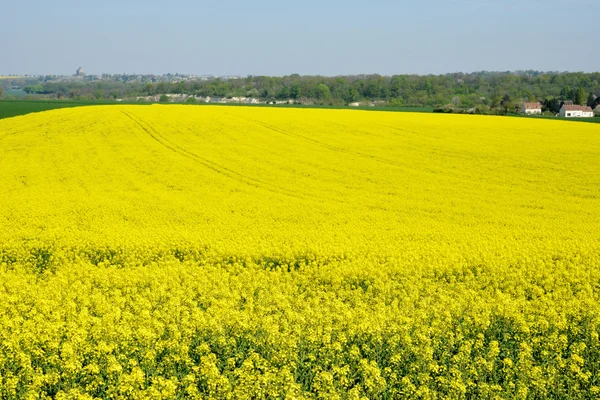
(234, 252)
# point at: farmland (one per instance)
(14, 108)
(247, 252)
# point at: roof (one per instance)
(534, 106)
(577, 108)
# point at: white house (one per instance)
(531, 108)
(576, 111)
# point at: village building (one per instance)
(531, 108)
(575, 111)
(80, 72)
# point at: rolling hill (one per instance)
(255, 252)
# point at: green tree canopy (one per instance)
(323, 92)
(495, 91)
(580, 98)
(591, 100)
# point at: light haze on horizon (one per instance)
(307, 37)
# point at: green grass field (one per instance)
(13, 108)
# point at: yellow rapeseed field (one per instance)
(249, 253)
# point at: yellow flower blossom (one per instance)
(247, 253)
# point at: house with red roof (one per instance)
(531, 108)
(575, 111)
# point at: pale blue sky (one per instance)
(306, 36)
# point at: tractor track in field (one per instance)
(403, 167)
(224, 171)
(234, 175)
(331, 147)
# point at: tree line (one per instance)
(500, 92)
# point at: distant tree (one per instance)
(164, 98)
(163, 87)
(323, 92)
(191, 100)
(508, 105)
(295, 91)
(252, 93)
(464, 90)
(34, 89)
(394, 102)
(148, 88)
(283, 93)
(1, 91)
(397, 84)
(495, 101)
(350, 95)
(551, 104)
(566, 93)
(591, 100)
(580, 98)
(179, 87)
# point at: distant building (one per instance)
(79, 72)
(531, 108)
(576, 111)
